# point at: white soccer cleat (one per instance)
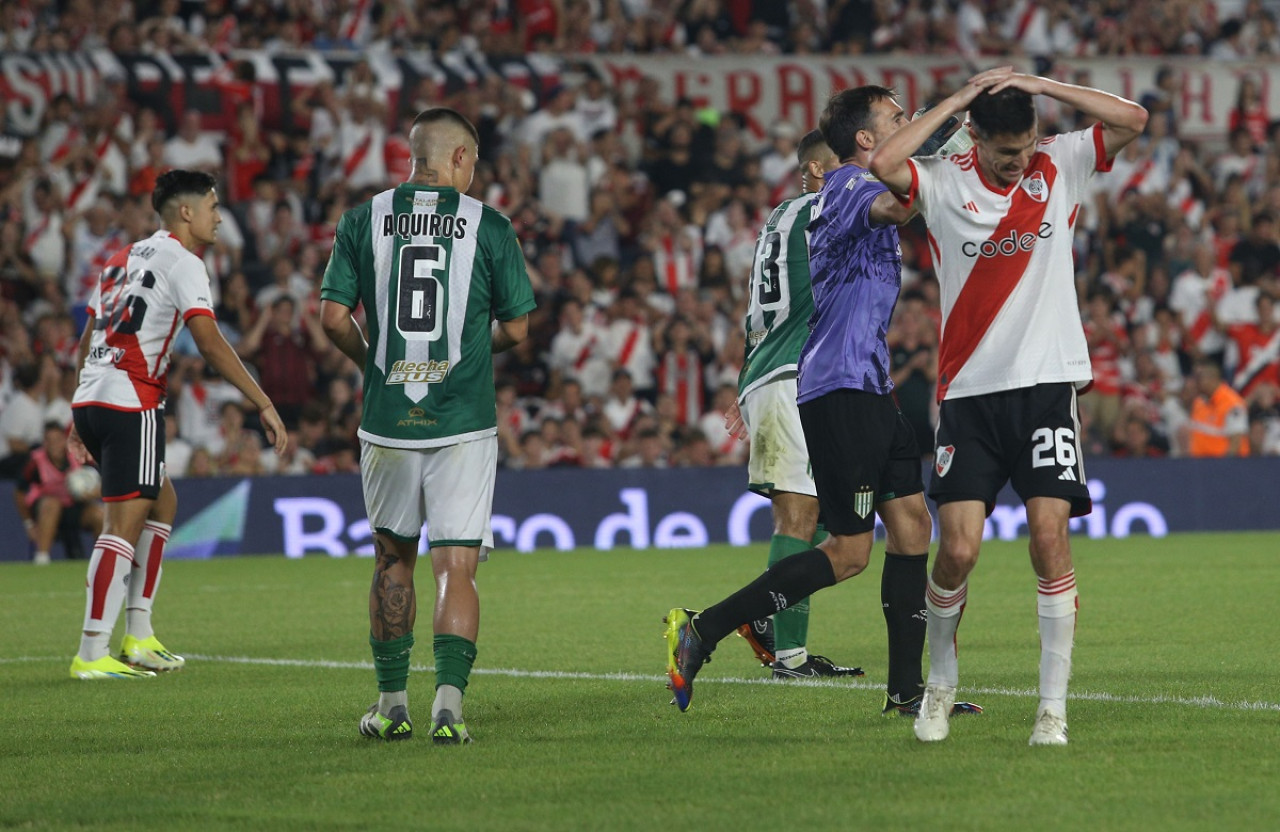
(1050, 729)
(933, 724)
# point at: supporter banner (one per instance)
(566, 509)
(214, 84)
(763, 89)
(770, 89)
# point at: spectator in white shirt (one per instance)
(191, 148)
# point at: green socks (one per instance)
(790, 626)
(454, 656)
(391, 662)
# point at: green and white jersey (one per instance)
(433, 268)
(781, 296)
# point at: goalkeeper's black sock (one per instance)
(788, 581)
(902, 587)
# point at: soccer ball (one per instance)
(84, 483)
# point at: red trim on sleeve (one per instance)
(90, 312)
(909, 198)
(1103, 163)
(121, 498)
(191, 313)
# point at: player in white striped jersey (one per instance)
(1013, 351)
(144, 296)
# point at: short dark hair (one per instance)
(1010, 112)
(177, 183)
(811, 146)
(436, 115)
(847, 112)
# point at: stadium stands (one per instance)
(637, 204)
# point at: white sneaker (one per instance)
(1050, 729)
(933, 724)
(41, 559)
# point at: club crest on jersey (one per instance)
(942, 459)
(418, 372)
(864, 499)
(1036, 186)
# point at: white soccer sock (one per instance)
(448, 698)
(105, 589)
(389, 699)
(792, 658)
(945, 608)
(145, 577)
(1056, 603)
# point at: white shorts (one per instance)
(779, 457)
(450, 488)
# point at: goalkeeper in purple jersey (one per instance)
(864, 454)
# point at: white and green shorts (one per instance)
(779, 458)
(450, 488)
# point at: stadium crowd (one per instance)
(638, 217)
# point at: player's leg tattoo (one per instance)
(392, 601)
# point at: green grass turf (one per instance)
(228, 745)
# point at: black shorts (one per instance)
(129, 448)
(863, 452)
(1030, 436)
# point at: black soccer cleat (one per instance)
(446, 729)
(815, 667)
(911, 708)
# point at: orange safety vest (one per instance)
(1208, 437)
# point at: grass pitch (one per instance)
(1175, 720)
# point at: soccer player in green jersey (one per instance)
(433, 268)
(777, 325)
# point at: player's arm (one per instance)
(1122, 120)
(86, 338)
(506, 334)
(889, 162)
(887, 209)
(343, 331)
(221, 357)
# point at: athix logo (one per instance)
(1036, 186)
(1009, 245)
(942, 459)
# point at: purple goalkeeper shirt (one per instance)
(856, 269)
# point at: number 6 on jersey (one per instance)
(420, 295)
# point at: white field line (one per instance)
(1025, 693)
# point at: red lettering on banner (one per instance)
(1126, 83)
(743, 102)
(620, 75)
(908, 90)
(700, 82)
(1204, 97)
(938, 74)
(855, 78)
(795, 89)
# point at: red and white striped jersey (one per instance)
(1005, 268)
(147, 291)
